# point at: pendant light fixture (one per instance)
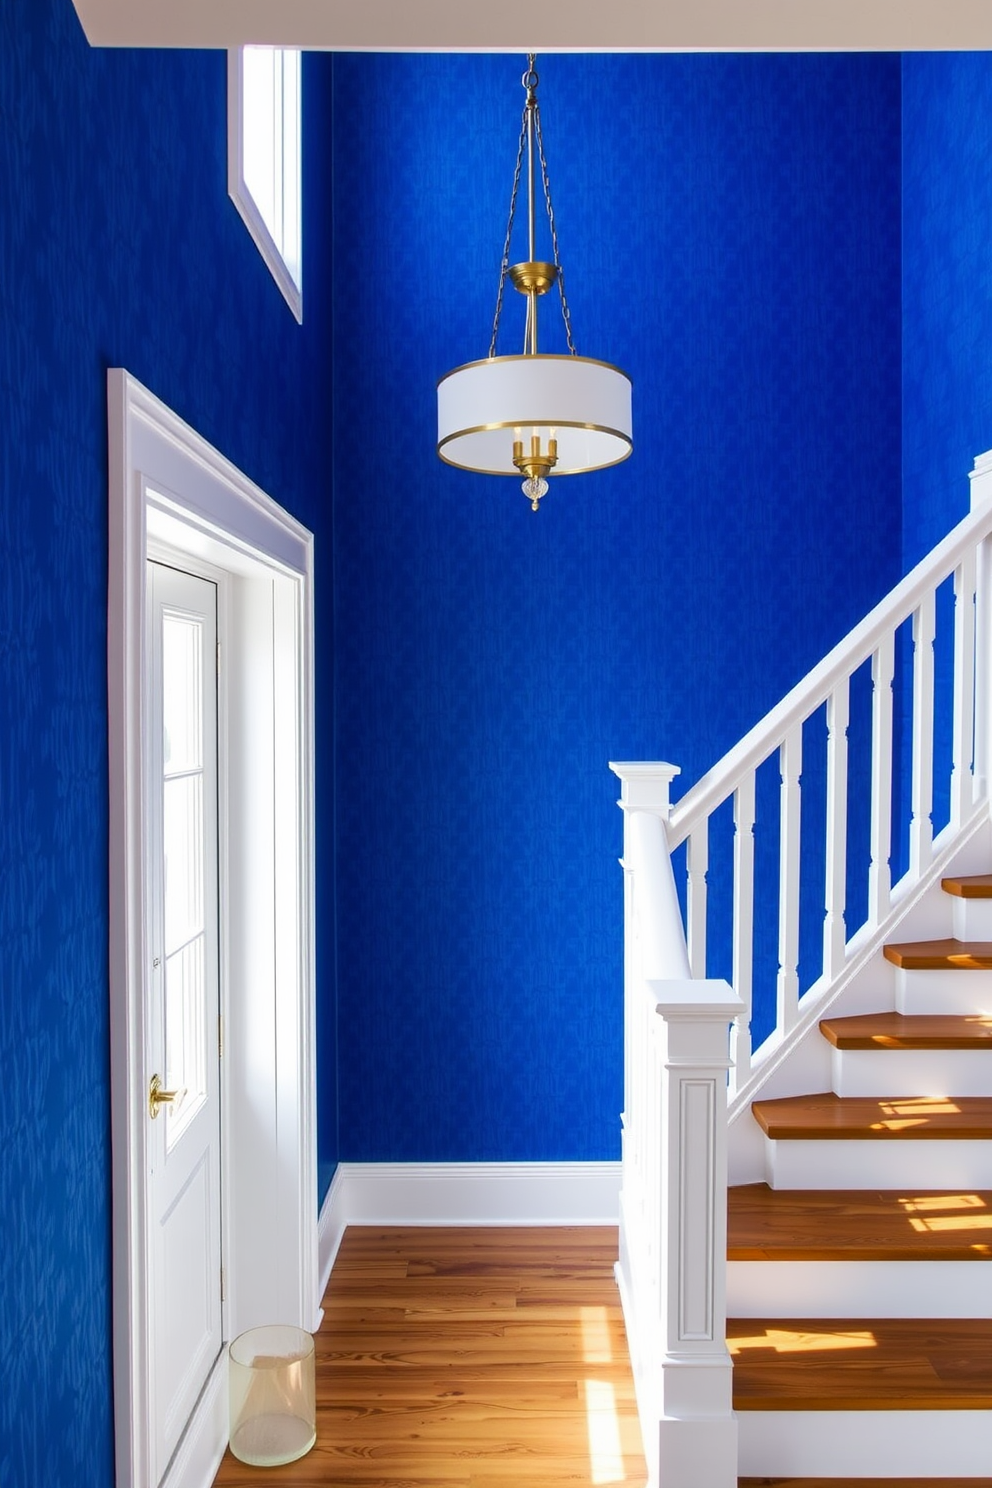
(535, 414)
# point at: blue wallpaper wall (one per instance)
(118, 246)
(947, 287)
(730, 232)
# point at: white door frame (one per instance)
(168, 486)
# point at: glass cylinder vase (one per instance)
(273, 1395)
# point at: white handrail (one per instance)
(676, 1055)
(848, 655)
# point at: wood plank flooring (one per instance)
(908, 1031)
(856, 1364)
(765, 1224)
(941, 955)
(469, 1358)
(864, 1483)
(972, 886)
(826, 1117)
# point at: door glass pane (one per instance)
(183, 832)
(185, 864)
(185, 1032)
(182, 649)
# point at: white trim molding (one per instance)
(169, 488)
(562, 1193)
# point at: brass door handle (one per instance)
(157, 1097)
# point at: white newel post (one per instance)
(673, 1219)
(697, 1430)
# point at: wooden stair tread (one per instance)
(908, 1031)
(864, 1483)
(971, 886)
(941, 955)
(861, 1364)
(828, 1117)
(766, 1224)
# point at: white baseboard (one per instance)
(204, 1441)
(586, 1193)
(856, 1289)
(876, 1444)
(330, 1229)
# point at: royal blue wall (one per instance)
(118, 246)
(730, 231)
(730, 227)
(947, 287)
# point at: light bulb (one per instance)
(534, 488)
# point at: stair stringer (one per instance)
(800, 1063)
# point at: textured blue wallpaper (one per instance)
(947, 318)
(730, 232)
(118, 246)
(947, 287)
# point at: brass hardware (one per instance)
(535, 466)
(157, 1097)
(534, 463)
(533, 277)
(531, 141)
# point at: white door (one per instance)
(182, 1058)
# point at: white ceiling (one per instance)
(545, 25)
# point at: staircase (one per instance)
(859, 1311)
(830, 1321)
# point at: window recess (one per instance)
(263, 155)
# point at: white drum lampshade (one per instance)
(484, 406)
(535, 414)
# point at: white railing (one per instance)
(963, 558)
(672, 1267)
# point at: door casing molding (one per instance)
(168, 486)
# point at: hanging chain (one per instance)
(504, 266)
(530, 82)
(565, 315)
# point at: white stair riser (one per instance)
(859, 1444)
(959, 992)
(885, 1163)
(912, 1071)
(851, 1289)
(972, 919)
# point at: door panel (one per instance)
(184, 1128)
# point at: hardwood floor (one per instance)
(469, 1358)
(828, 1117)
(861, 1364)
(864, 1483)
(766, 1224)
(899, 1031)
(941, 955)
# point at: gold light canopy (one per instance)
(533, 414)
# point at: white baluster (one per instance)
(983, 670)
(791, 763)
(697, 863)
(921, 825)
(740, 1042)
(879, 873)
(834, 936)
(964, 688)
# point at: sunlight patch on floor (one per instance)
(942, 1201)
(605, 1448)
(596, 1346)
(785, 1341)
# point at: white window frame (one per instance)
(271, 238)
